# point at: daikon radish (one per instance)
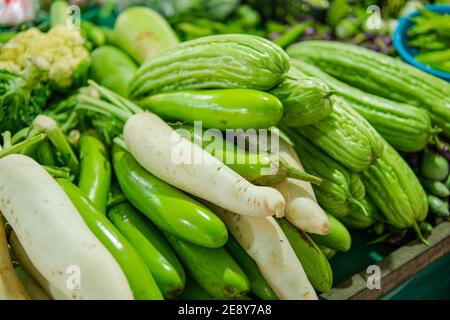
(10, 286)
(53, 234)
(266, 243)
(168, 156)
(302, 209)
(27, 265)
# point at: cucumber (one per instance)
(338, 237)
(219, 109)
(434, 166)
(258, 285)
(112, 68)
(213, 269)
(159, 258)
(314, 262)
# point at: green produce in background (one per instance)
(341, 190)
(167, 207)
(405, 127)
(258, 285)
(314, 262)
(161, 261)
(346, 137)
(305, 99)
(139, 277)
(143, 33)
(213, 269)
(112, 68)
(381, 75)
(438, 206)
(219, 109)
(434, 166)
(213, 62)
(395, 190)
(338, 237)
(437, 188)
(95, 171)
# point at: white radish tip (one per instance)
(275, 203)
(44, 123)
(325, 228)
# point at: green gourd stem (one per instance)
(19, 147)
(358, 204)
(416, 228)
(380, 239)
(299, 174)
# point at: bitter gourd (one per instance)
(381, 75)
(395, 189)
(305, 99)
(346, 137)
(405, 127)
(340, 190)
(359, 219)
(218, 61)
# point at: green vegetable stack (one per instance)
(114, 175)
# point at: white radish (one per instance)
(54, 236)
(174, 159)
(302, 209)
(266, 243)
(10, 286)
(27, 265)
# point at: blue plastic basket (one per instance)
(400, 40)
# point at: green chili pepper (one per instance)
(136, 271)
(95, 171)
(159, 257)
(167, 207)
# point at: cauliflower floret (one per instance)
(60, 53)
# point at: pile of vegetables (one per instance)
(112, 179)
(429, 35)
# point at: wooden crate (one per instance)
(396, 268)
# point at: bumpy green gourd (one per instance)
(340, 190)
(306, 100)
(405, 127)
(218, 61)
(360, 219)
(395, 189)
(381, 75)
(346, 137)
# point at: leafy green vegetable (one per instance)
(22, 97)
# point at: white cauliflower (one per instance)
(60, 53)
